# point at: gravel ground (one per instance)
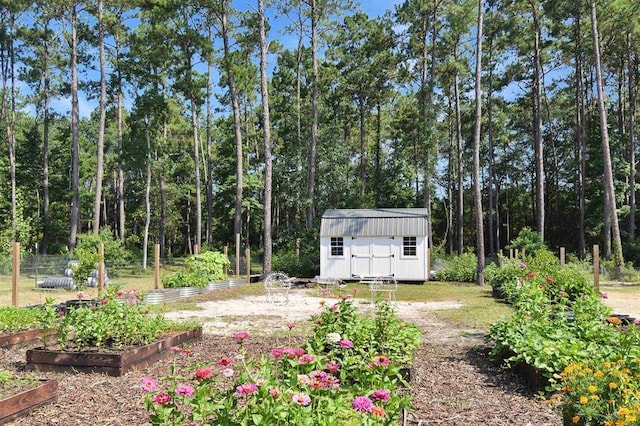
(452, 382)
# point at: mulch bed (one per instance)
(452, 383)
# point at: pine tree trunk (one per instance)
(311, 179)
(75, 134)
(101, 124)
(476, 152)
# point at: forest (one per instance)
(189, 123)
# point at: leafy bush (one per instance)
(305, 266)
(14, 319)
(459, 269)
(528, 240)
(199, 270)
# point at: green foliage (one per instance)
(320, 383)
(459, 269)
(199, 270)
(528, 240)
(559, 320)
(13, 319)
(109, 323)
(305, 266)
(115, 255)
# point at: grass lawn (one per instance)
(478, 311)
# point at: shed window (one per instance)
(409, 246)
(337, 246)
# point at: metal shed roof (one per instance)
(374, 222)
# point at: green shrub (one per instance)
(199, 270)
(459, 269)
(305, 266)
(528, 240)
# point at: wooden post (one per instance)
(237, 255)
(523, 253)
(248, 255)
(100, 268)
(15, 288)
(428, 262)
(225, 268)
(517, 253)
(562, 257)
(596, 267)
(156, 263)
(510, 253)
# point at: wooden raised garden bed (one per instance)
(25, 338)
(112, 363)
(24, 402)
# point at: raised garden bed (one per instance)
(110, 362)
(22, 403)
(25, 338)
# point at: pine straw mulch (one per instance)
(452, 383)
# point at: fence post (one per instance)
(562, 257)
(517, 253)
(100, 268)
(510, 253)
(225, 268)
(237, 255)
(156, 268)
(15, 279)
(596, 267)
(248, 255)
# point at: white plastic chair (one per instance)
(326, 285)
(277, 284)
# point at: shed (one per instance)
(374, 242)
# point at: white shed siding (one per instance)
(373, 243)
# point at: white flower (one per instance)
(333, 337)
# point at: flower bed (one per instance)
(112, 363)
(560, 327)
(28, 396)
(350, 377)
(26, 338)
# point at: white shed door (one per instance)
(371, 256)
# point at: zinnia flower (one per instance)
(203, 373)
(246, 388)
(346, 344)
(274, 392)
(382, 361)
(162, 398)
(241, 335)
(333, 367)
(301, 398)
(277, 353)
(224, 362)
(306, 359)
(227, 372)
(381, 395)
(291, 325)
(149, 384)
(362, 404)
(378, 411)
(333, 337)
(185, 389)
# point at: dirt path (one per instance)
(623, 302)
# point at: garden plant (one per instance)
(348, 373)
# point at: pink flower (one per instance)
(274, 392)
(304, 379)
(291, 325)
(149, 384)
(227, 373)
(301, 398)
(604, 295)
(636, 321)
(333, 367)
(362, 404)
(104, 302)
(185, 389)
(522, 265)
(382, 361)
(293, 352)
(381, 395)
(224, 362)
(346, 344)
(332, 382)
(80, 296)
(162, 398)
(246, 389)
(277, 353)
(306, 359)
(335, 308)
(355, 290)
(550, 280)
(204, 373)
(345, 296)
(378, 411)
(241, 335)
